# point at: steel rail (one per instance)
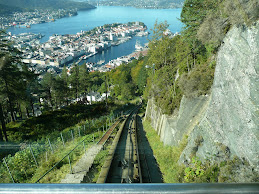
(107, 165)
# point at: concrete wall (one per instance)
(171, 128)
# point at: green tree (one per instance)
(139, 76)
(12, 82)
(65, 87)
(159, 46)
(74, 80)
(192, 15)
(14, 77)
(58, 90)
(2, 120)
(47, 84)
(84, 79)
(96, 80)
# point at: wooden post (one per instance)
(84, 147)
(9, 170)
(72, 135)
(62, 140)
(70, 165)
(50, 146)
(33, 156)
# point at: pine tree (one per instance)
(47, 88)
(84, 79)
(74, 80)
(65, 87)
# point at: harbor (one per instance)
(61, 50)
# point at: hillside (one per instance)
(204, 88)
(7, 9)
(201, 90)
(45, 4)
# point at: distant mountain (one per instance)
(7, 9)
(161, 4)
(45, 4)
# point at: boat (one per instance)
(82, 57)
(138, 47)
(100, 62)
(142, 33)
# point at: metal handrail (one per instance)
(67, 155)
(61, 160)
(252, 188)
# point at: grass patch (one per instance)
(100, 158)
(36, 128)
(167, 157)
(62, 169)
(97, 165)
(196, 171)
(24, 169)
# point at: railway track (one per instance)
(126, 162)
(79, 173)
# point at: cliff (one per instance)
(226, 123)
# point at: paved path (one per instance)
(83, 166)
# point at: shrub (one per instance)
(198, 81)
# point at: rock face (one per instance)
(172, 128)
(229, 125)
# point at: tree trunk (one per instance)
(19, 110)
(50, 98)
(39, 101)
(9, 101)
(1, 136)
(3, 123)
(188, 65)
(33, 113)
(106, 97)
(11, 110)
(27, 112)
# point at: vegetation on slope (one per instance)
(27, 5)
(184, 64)
(196, 171)
(36, 128)
(50, 149)
(128, 80)
(7, 9)
(23, 167)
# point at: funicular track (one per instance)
(79, 172)
(123, 162)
